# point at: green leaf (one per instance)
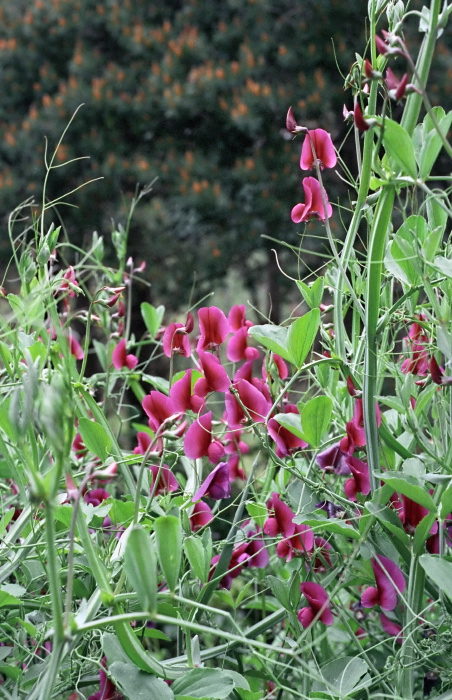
(168, 537)
(343, 677)
(204, 683)
(446, 503)
(439, 571)
(8, 599)
(292, 423)
(316, 419)
(389, 519)
(333, 525)
(257, 511)
(95, 438)
(152, 317)
(141, 566)
(312, 294)
(444, 266)
(280, 590)
(399, 148)
(195, 553)
(422, 532)
(301, 336)
(427, 142)
(273, 338)
(409, 486)
(6, 519)
(138, 685)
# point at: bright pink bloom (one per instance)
(199, 442)
(238, 345)
(319, 605)
(182, 396)
(167, 482)
(159, 408)
(286, 442)
(175, 340)
(392, 628)
(313, 205)
(216, 485)
(237, 318)
(390, 581)
(297, 545)
(69, 283)
(360, 481)
(250, 553)
(121, 359)
(201, 516)
(144, 442)
(215, 376)
(214, 328)
(320, 141)
(252, 398)
(235, 470)
(280, 518)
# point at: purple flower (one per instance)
(390, 581)
(333, 460)
(216, 485)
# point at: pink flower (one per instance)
(215, 376)
(286, 442)
(250, 553)
(69, 283)
(237, 319)
(317, 140)
(158, 407)
(390, 581)
(319, 606)
(74, 347)
(392, 628)
(176, 341)
(96, 496)
(216, 485)
(333, 460)
(167, 482)
(360, 481)
(313, 205)
(298, 544)
(120, 358)
(214, 328)
(252, 398)
(182, 396)
(201, 516)
(415, 343)
(281, 517)
(198, 440)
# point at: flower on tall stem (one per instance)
(317, 146)
(313, 204)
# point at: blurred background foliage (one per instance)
(192, 94)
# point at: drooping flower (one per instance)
(214, 328)
(415, 344)
(390, 581)
(360, 481)
(437, 373)
(121, 359)
(215, 376)
(333, 460)
(299, 544)
(158, 407)
(256, 403)
(175, 339)
(313, 205)
(216, 485)
(318, 141)
(392, 628)
(319, 605)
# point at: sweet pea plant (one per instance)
(273, 517)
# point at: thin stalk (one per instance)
(408, 655)
(375, 254)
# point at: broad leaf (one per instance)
(301, 336)
(409, 486)
(273, 338)
(399, 148)
(204, 683)
(141, 566)
(316, 419)
(439, 571)
(152, 317)
(138, 685)
(292, 423)
(95, 438)
(343, 677)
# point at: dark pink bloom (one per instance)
(250, 553)
(317, 140)
(437, 373)
(144, 443)
(319, 605)
(216, 485)
(121, 359)
(166, 481)
(356, 435)
(235, 470)
(214, 328)
(238, 345)
(411, 514)
(96, 496)
(69, 283)
(291, 124)
(159, 408)
(333, 460)
(280, 519)
(360, 481)
(358, 117)
(252, 398)
(396, 87)
(313, 205)
(74, 346)
(390, 581)
(107, 689)
(199, 442)
(201, 516)
(215, 376)
(237, 318)
(281, 366)
(175, 340)
(233, 443)
(183, 397)
(392, 628)
(415, 343)
(322, 550)
(286, 442)
(297, 545)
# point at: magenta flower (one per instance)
(437, 373)
(121, 359)
(166, 481)
(96, 496)
(415, 343)
(182, 396)
(237, 318)
(74, 346)
(216, 486)
(215, 376)
(392, 628)
(297, 545)
(238, 345)
(360, 481)
(281, 517)
(235, 470)
(201, 516)
(199, 442)
(319, 141)
(144, 443)
(390, 581)
(159, 408)
(411, 514)
(250, 553)
(286, 442)
(313, 205)
(214, 328)
(107, 689)
(319, 605)
(252, 398)
(175, 340)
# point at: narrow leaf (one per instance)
(141, 566)
(168, 537)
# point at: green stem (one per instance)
(413, 607)
(375, 254)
